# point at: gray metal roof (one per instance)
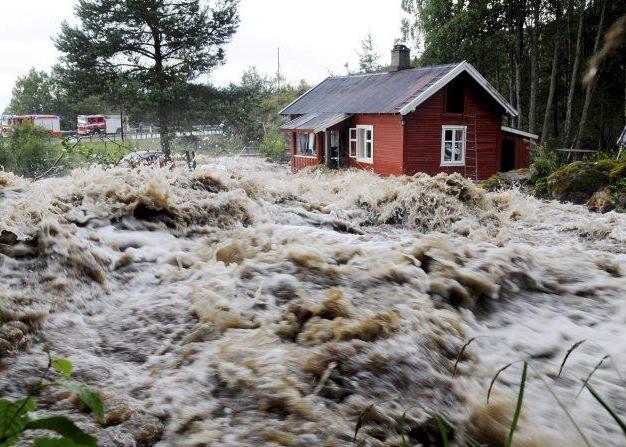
(392, 92)
(316, 122)
(371, 93)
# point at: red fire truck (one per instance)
(95, 124)
(52, 123)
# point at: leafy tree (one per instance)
(368, 58)
(535, 49)
(157, 44)
(251, 107)
(273, 145)
(32, 94)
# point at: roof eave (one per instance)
(522, 133)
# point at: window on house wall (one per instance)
(334, 138)
(353, 142)
(362, 143)
(455, 96)
(453, 145)
(306, 145)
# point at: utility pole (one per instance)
(278, 70)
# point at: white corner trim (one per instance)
(463, 66)
(303, 95)
(532, 136)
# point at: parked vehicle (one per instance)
(99, 124)
(52, 123)
(154, 159)
(5, 124)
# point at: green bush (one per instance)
(27, 151)
(98, 152)
(544, 162)
(273, 145)
(540, 189)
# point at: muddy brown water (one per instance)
(242, 305)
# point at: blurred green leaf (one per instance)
(13, 419)
(65, 427)
(90, 397)
(64, 366)
(58, 442)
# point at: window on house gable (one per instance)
(306, 144)
(455, 96)
(362, 143)
(453, 145)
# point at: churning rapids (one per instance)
(241, 305)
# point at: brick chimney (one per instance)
(400, 58)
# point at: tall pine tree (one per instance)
(159, 44)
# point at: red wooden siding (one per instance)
(387, 143)
(302, 161)
(522, 149)
(422, 134)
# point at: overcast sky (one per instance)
(315, 37)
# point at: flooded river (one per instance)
(241, 305)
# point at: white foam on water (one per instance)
(243, 305)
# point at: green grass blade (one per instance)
(402, 426)
(607, 407)
(361, 420)
(493, 380)
(460, 354)
(593, 371)
(518, 406)
(443, 431)
(569, 352)
(565, 410)
(617, 371)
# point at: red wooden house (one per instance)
(446, 118)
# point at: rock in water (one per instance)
(601, 201)
(578, 181)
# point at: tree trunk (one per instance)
(574, 78)
(511, 94)
(518, 93)
(162, 103)
(164, 127)
(534, 68)
(553, 75)
(592, 83)
(519, 52)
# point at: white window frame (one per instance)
(352, 139)
(460, 162)
(361, 141)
